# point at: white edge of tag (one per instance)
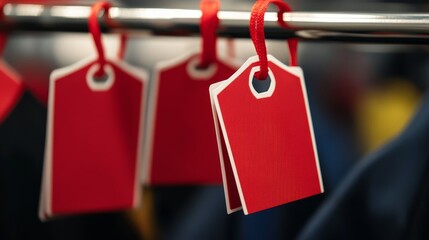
(201, 74)
(45, 207)
(143, 76)
(100, 86)
(216, 92)
(219, 144)
(153, 101)
(194, 53)
(299, 73)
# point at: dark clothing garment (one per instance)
(386, 195)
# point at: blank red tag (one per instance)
(232, 197)
(182, 143)
(271, 152)
(11, 89)
(94, 139)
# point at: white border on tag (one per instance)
(45, 204)
(297, 71)
(153, 99)
(200, 74)
(219, 144)
(144, 77)
(100, 86)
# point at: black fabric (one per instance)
(386, 196)
(22, 140)
(194, 213)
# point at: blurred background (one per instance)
(361, 97)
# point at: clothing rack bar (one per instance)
(310, 26)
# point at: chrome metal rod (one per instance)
(312, 26)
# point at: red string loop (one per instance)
(122, 46)
(208, 26)
(95, 31)
(258, 35)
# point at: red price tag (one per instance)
(94, 134)
(94, 139)
(11, 89)
(182, 145)
(272, 157)
(232, 197)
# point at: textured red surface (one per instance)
(270, 140)
(95, 140)
(184, 145)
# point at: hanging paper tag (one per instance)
(94, 139)
(268, 135)
(11, 89)
(232, 196)
(182, 145)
